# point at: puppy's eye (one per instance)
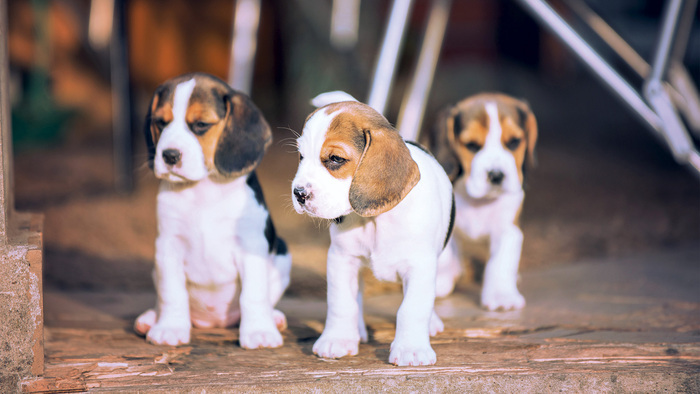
(473, 147)
(200, 127)
(334, 162)
(513, 143)
(160, 123)
(337, 160)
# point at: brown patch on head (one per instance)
(377, 158)
(461, 132)
(160, 113)
(206, 115)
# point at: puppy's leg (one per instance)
(279, 280)
(258, 327)
(361, 326)
(449, 269)
(172, 326)
(500, 289)
(340, 336)
(411, 345)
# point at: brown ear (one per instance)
(385, 174)
(529, 124)
(443, 142)
(245, 137)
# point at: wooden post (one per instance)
(21, 255)
(6, 200)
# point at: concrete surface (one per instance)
(622, 325)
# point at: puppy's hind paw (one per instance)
(410, 355)
(436, 325)
(326, 347)
(145, 321)
(280, 319)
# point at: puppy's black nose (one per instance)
(171, 156)
(301, 194)
(496, 177)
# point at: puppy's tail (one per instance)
(335, 96)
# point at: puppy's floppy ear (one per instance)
(441, 142)
(245, 137)
(151, 131)
(529, 125)
(385, 174)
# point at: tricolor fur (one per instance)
(485, 143)
(218, 260)
(390, 204)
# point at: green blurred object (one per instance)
(37, 120)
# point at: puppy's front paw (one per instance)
(504, 300)
(329, 347)
(166, 333)
(404, 354)
(260, 338)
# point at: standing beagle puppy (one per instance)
(218, 260)
(390, 206)
(484, 144)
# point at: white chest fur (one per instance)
(207, 223)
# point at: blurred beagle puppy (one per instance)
(218, 259)
(483, 143)
(390, 206)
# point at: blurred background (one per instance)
(603, 187)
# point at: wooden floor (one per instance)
(625, 325)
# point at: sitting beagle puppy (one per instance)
(390, 204)
(483, 143)
(218, 260)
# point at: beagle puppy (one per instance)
(484, 143)
(389, 204)
(218, 260)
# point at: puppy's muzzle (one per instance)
(301, 194)
(495, 177)
(171, 156)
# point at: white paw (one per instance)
(260, 338)
(168, 333)
(327, 347)
(409, 354)
(502, 300)
(436, 325)
(280, 319)
(145, 321)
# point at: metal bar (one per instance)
(685, 23)
(674, 131)
(627, 53)
(543, 13)
(666, 40)
(6, 181)
(413, 106)
(388, 56)
(610, 36)
(244, 44)
(121, 102)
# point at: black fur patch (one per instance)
(419, 146)
(275, 244)
(254, 184)
(452, 221)
(339, 219)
